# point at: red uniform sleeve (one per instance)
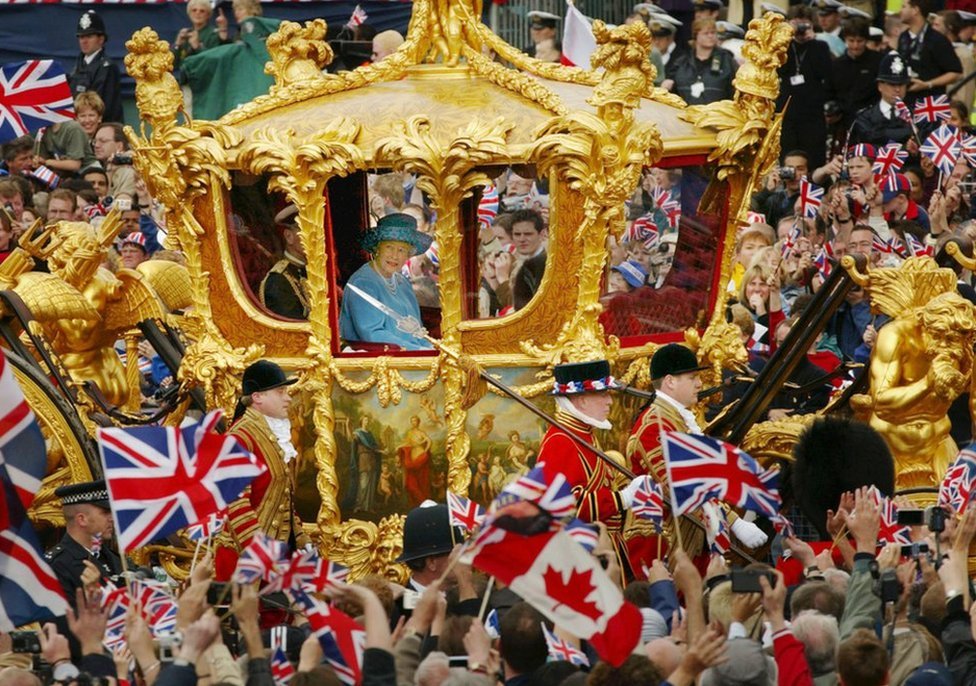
(559, 454)
(644, 446)
(791, 663)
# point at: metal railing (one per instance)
(509, 21)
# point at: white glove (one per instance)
(628, 493)
(748, 533)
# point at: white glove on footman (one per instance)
(748, 533)
(628, 493)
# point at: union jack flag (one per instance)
(162, 479)
(158, 605)
(897, 247)
(672, 210)
(281, 669)
(341, 638)
(261, 559)
(117, 602)
(791, 239)
(488, 205)
(889, 160)
(755, 217)
(358, 17)
(301, 571)
(916, 248)
(902, 111)
(560, 650)
(968, 143)
(492, 625)
(643, 230)
(811, 196)
(932, 108)
(716, 530)
(556, 498)
(33, 94)
(890, 531)
(878, 244)
(702, 468)
(649, 503)
(959, 482)
(96, 545)
(584, 534)
(29, 590)
(942, 147)
(782, 525)
(823, 264)
(208, 528)
(464, 513)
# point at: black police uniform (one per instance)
(67, 559)
(102, 76)
(872, 126)
(702, 82)
(929, 55)
(803, 80)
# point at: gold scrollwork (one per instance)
(449, 171)
(387, 380)
(600, 157)
(301, 168)
(298, 55)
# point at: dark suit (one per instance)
(803, 82)
(102, 76)
(527, 280)
(929, 55)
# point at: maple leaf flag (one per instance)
(561, 580)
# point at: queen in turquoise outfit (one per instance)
(390, 243)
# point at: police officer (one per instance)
(428, 539)
(94, 71)
(85, 551)
(85, 554)
(881, 122)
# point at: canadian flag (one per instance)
(561, 580)
(578, 41)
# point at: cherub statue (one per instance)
(922, 360)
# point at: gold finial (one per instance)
(764, 52)
(150, 63)
(298, 53)
(622, 51)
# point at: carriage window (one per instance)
(269, 256)
(512, 244)
(660, 275)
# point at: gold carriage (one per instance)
(452, 108)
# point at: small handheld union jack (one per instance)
(263, 557)
(890, 531)
(959, 483)
(811, 197)
(643, 230)
(916, 248)
(556, 498)
(716, 529)
(208, 528)
(791, 239)
(890, 159)
(281, 669)
(932, 109)
(464, 513)
(702, 468)
(584, 534)
(878, 244)
(823, 264)
(648, 503)
(903, 112)
(33, 94)
(560, 650)
(358, 17)
(968, 143)
(943, 148)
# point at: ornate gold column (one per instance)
(446, 170)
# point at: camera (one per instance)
(786, 173)
(168, 644)
(747, 580)
(935, 519)
(802, 27)
(25, 642)
(122, 158)
(123, 204)
(890, 586)
(915, 550)
(911, 517)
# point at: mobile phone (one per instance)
(25, 642)
(911, 517)
(410, 599)
(747, 580)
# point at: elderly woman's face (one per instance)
(199, 13)
(391, 256)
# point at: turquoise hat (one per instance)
(396, 227)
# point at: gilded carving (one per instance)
(922, 360)
(449, 171)
(719, 348)
(298, 56)
(600, 157)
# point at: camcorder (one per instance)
(747, 580)
(786, 173)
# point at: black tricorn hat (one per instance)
(574, 378)
(89, 492)
(264, 375)
(427, 532)
(90, 24)
(673, 359)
